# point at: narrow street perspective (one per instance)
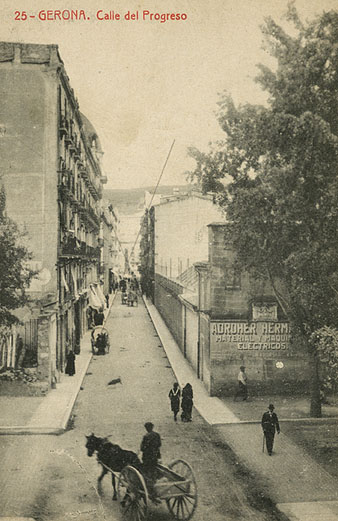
(54, 479)
(169, 261)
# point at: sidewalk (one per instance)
(211, 409)
(300, 487)
(49, 414)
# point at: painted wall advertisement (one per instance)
(250, 336)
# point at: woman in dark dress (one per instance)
(174, 395)
(187, 403)
(70, 366)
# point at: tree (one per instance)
(146, 267)
(326, 340)
(15, 274)
(281, 160)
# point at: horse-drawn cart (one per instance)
(175, 485)
(100, 341)
(132, 299)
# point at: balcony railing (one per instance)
(64, 126)
(72, 247)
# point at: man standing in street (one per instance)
(270, 425)
(242, 384)
(150, 448)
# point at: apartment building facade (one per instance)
(53, 180)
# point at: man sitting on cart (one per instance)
(100, 341)
(150, 448)
(131, 298)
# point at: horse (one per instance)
(111, 456)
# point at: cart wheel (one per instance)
(183, 506)
(132, 494)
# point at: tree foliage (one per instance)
(282, 160)
(326, 340)
(15, 274)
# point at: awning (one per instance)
(94, 300)
(64, 282)
(76, 294)
(100, 295)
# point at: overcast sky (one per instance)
(145, 83)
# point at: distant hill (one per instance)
(129, 201)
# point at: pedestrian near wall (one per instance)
(270, 425)
(187, 403)
(174, 396)
(70, 366)
(242, 380)
(99, 317)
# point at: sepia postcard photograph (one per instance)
(169, 260)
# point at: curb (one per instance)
(307, 420)
(16, 519)
(45, 430)
(239, 422)
(68, 412)
(30, 430)
(172, 368)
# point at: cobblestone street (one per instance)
(55, 479)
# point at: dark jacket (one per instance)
(99, 318)
(270, 422)
(150, 448)
(187, 395)
(175, 399)
(70, 366)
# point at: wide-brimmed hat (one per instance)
(271, 406)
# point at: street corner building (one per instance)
(219, 318)
(50, 165)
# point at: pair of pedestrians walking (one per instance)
(186, 404)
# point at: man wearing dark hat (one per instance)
(270, 425)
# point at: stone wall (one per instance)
(205, 364)
(247, 327)
(231, 291)
(169, 306)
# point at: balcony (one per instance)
(83, 171)
(71, 144)
(67, 187)
(72, 248)
(88, 214)
(77, 153)
(64, 126)
(93, 185)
